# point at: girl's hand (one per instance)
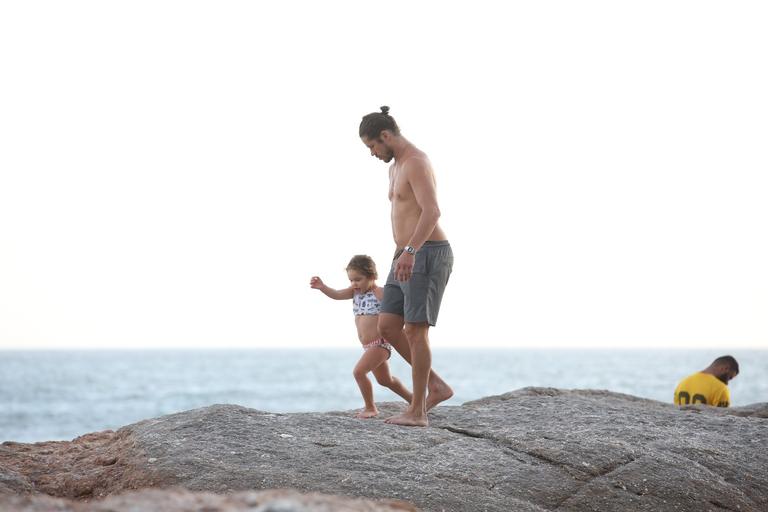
(316, 283)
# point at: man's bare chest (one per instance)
(399, 188)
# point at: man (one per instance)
(709, 386)
(422, 264)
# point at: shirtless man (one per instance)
(422, 262)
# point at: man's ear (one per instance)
(385, 135)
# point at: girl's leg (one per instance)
(385, 378)
(370, 359)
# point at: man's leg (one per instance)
(391, 329)
(416, 414)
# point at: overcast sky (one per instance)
(173, 173)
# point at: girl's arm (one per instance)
(318, 284)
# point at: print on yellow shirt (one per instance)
(702, 388)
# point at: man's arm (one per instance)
(422, 183)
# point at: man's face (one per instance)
(379, 148)
(726, 375)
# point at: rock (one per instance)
(533, 449)
(759, 410)
(755, 410)
(92, 465)
(11, 481)
(154, 500)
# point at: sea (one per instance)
(60, 395)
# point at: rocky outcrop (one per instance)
(530, 450)
(92, 465)
(171, 500)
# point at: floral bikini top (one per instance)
(365, 304)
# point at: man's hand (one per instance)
(404, 266)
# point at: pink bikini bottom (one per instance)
(381, 342)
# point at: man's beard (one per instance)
(723, 377)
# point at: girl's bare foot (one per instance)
(367, 413)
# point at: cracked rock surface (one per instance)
(533, 449)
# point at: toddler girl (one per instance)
(366, 297)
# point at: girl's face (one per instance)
(359, 282)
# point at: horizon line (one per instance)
(339, 347)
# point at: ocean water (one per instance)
(55, 395)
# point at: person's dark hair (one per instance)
(376, 122)
(363, 264)
(730, 361)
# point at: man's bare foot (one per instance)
(438, 393)
(365, 414)
(409, 419)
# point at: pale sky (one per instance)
(173, 173)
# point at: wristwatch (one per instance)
(409, 249)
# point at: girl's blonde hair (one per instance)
(363, 264)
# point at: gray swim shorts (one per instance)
(418, 299)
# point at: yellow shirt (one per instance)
(702, 388)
